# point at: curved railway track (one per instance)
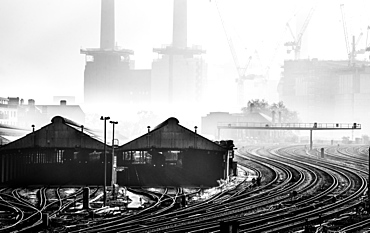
(292, 188)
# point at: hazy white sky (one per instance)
(41, 39)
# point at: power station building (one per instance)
(109, 71)
(177, 77)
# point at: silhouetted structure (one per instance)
(171, 155)
(178, 77)
(60, 153)
(109, 75)
(64, 153)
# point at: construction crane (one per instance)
(241, 70)
(345, 30)
(352, 53)
(296, 43)
(277, 46)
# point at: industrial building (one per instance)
(8, 112)
(109, 71)
(66, 153)
(177, 76)
(319, 90)
(60, 153)
(172, 155)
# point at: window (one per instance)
(59, 156)
(94, 156)
(138, 157)
(173, 157)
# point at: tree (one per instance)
(257, 105)
(262, 106)
(287, 116)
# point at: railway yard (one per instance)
(278, 189)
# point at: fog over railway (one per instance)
(184, 116)
(234, 40)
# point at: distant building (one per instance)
(178, 76)
(72, 112)
(13, 112)
(109, 76)
(8, 112)
(327, 91)
(69, 99)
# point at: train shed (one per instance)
(60, 153)
(171, 155)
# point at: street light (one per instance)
(105, 159)
(113, 172)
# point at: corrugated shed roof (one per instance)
(61, 133)
(171, 135)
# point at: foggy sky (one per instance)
(41, 39)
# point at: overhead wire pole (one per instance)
(113, 171)
(105, 159)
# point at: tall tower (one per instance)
(109, 76)
(107, 33)
(180, 24)
(178, 76)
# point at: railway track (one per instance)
(25, 207)
(292, 189)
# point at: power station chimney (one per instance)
(179, 37)
(107, 25)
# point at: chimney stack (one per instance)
(63, 102)
(107, 25)
(31, 102)
(179, 37)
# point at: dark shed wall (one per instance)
(57, 154)
(204, 167)
(202, 161)
(40, 166)
(199, 168)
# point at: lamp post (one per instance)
(33, 135)
(113, 172)
(105, 159)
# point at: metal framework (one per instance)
(287, 126)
